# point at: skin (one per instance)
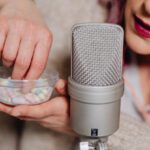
(54, 114)
(25, 42)
(140, 8)
(139, 45)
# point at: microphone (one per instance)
(96, 83)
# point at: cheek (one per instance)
(133, 40)
(136, 43)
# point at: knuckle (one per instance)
(8, 57)
(3, 22)
(30, 30)
(30, 26)
(21, 63)
(23, 25)
(39, 64)
(47, 35)
(16, 22)
(18, 25)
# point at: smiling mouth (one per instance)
(142, 28)
(142, 23)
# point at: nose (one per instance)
(147, 6)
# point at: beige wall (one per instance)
(61, 15)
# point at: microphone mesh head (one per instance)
(97, 54)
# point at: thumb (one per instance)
(61, 87)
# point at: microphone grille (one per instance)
(97, 54)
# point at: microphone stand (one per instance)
(84, 143)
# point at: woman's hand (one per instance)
(25, 40)
(53, 114)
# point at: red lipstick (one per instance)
(142, 28)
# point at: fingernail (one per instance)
(62, 85)
(16, 114)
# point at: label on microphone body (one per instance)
(94, 132)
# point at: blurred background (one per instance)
(60, 16)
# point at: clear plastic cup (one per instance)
(26, 92)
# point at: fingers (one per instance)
(11, 47)
(24, 56)
(5, 108)
(2, 41)
(40, 56)
(3, 34)
(56, 106)
(61, 87)
(26, 45)
(12, 41)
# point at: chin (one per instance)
(137, 44)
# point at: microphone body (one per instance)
(95, 111)
(96, 84)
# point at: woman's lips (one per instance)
(142, 28)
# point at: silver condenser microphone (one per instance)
(96, 83)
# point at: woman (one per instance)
(54, 114)
(136, 21)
